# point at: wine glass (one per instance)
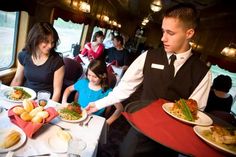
(75, 147)
(43, 97)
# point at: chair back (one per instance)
(73, 71)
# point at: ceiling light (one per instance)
(84, 7)
(156, 5)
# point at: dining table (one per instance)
(39, 144)
(150, 119)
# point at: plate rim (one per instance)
(19, 144)
(165, 105)
(29, 90)
(216, 146)
(84, 115)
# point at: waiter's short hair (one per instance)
(186, 12)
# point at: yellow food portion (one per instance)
(64, 135)
(35, 111)
(11, 139)
(28, 105)
(18, 110)
(30, 114)
(224, 137)
(25, 116)
(37, 119)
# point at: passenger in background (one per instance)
(118, 53)
(95, 48)
(40, 66)
(94, 87)
(219, 99)
(108, 42)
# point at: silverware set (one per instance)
(86, 123)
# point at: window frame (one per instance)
(15, 38)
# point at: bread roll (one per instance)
(43, 114)
(35, 111)
(18, 110)
(25, 116)
(37, 119)
(11, 139)
(28, 105)
(64, 135)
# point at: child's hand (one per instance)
(91, 108)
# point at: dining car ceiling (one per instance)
(130, 9)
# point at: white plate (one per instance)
(203, 119)
(5, 92)
(57, 145)
(199, 129)
(84, 116)
(3, 133)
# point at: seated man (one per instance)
(118, 53)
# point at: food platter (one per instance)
(199, 131)
(7, 91)
(3, 133)
(203, 120)
(82, 118)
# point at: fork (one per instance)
(62, 128)
(86, 124)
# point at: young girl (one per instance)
(92, 88)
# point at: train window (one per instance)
(69, 33)
(8, 31)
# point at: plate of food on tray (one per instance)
(219, 137)
(11, 138)
(187, 112)
(18, 94)
(72, 112)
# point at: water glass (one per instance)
(43, 97)
(75, 147)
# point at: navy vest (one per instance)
(185, 81)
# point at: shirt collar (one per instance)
(181, 56)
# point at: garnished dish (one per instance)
(11, 138)
(18, 94)
(72, 113)
(222, 138)
(185, 109)
(187, 112)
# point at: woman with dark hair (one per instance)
(40, 66)
(95, 48)
(95, 86)
(219, 99)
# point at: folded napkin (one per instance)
(114, 62)
(168, 131)
(28, 127)
(78, 59)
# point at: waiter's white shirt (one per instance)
(133, 77)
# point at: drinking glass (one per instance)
(43, 97)
(75, 147)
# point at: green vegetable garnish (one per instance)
(186, 111)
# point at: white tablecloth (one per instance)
(94, 133)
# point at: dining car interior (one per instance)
(46, 116)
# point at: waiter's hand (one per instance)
(91, 108)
